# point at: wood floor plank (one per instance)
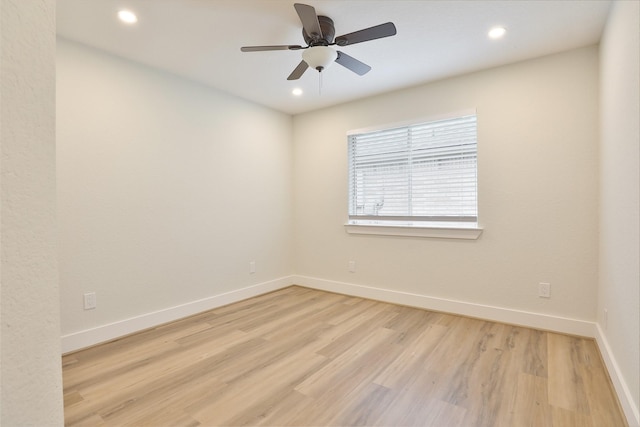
(566, 385)
(275, 380)
(411, 323)
(427, 412)
(273, 411)
(302, 357)
(354, 310)
(604, 408)
(486, 379)
(350, 366)
(535, 354)
(163, 364)
(438, 413)
(528, 406)
(366, 408)
(91, 420)
(122, 355)
(564, 417)
(285, 318)
(349, 339)
(320, 317)
(168, 407)
(413, 357)
(107, 397)
(72, 397)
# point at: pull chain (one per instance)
(320, 83)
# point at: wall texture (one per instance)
(30, 373)
(538, 186)
(619, 272)
(166, 189)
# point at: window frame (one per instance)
(438, 227)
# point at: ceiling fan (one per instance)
(318, 33)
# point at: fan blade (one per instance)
(309, 20)
(360, 68)
(371, 33)
(262, 48)
(299, 71)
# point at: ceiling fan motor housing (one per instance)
(328, 33)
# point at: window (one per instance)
(419, 175)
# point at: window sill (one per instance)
(467, 232)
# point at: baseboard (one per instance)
(93, 336)
(498, 314)
(108, 332)
(622, 389)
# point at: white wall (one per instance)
(166, 190)
(619, 273)
(31, 375)
(538, 186)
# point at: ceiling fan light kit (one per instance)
(318, 33)
(319, 57)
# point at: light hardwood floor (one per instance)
(305, 357)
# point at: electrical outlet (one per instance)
(252, 267)
(544, 290)
(90, 301)
(352, 266)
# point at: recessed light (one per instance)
(497, 32)
(297, 91)
(127, 16)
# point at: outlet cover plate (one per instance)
(352, 266)
(544, 290)
(90, 301)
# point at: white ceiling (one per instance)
(201, 40)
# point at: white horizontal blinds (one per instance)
(421, 172)
(379, 173)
